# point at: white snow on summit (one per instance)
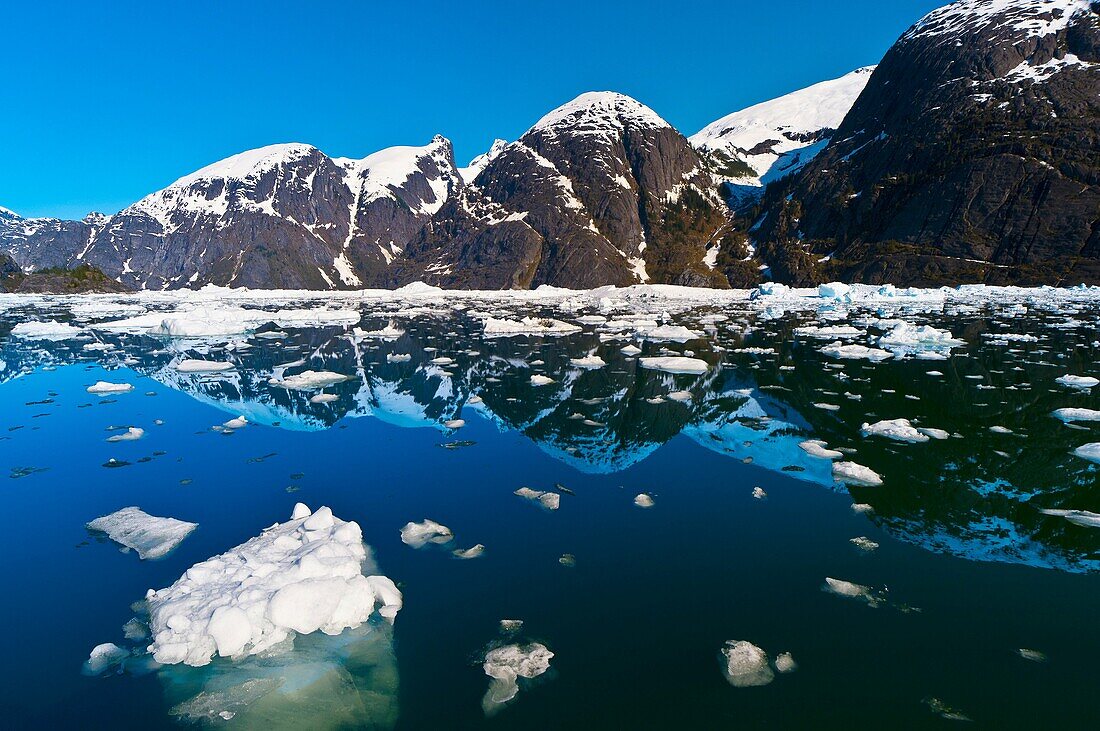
(778, 137)
(596, 112)
(1030, 18)
(248, 164)
(478, 164)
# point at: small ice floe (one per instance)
(501, 328)
(300, 576)
(668, 333)
(390, 332)
(1074, 414)
(48, 330)
(1077, 517)
(151, 537)
(1080, 382)
(471, 552)
(906, 338)
(104, 657)
(309, 380)
(784, 663)
(511, 626)
(862, 508)
(588, 362)
(675, 364)
(945, 711)
(838, 349)
(758, 493)
(1032, 655)
(238, 422)
(540, 380)
(592, 320)
(746, 665)
(899, 430)
(826, 407)
(191, 365)
(818, 448)
(323, 398)
(103, 387)
(828, 332)
(655, 400)
(643, 500)
(855, 474)
(630, 350)
(1089, 451)
(132, 434)
(454, 423)
(398, 357)
(683, 397)
(548, 500)
(848, 590)
(427, 531)
(864, 543)
(933, 433)
(506, 665)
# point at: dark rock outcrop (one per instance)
(973, 154)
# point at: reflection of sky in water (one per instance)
(601, 432)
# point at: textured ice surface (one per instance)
(746, 664)
(675, 364)
(506, 665)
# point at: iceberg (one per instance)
(838, 349)
(855, 474)
(190, 365)
(1082, 382)
(309, 380)
(675, 364)
(506, 665)
(105, 387)
(296, 577)
(899, 430)
(151, 537)
(746, 664)
(427, 531)
(48, 330)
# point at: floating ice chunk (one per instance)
(540, 380)
(862, 508)
(323, 398)
(528, 326)
(398, 357)
(759, 493)
(671, 333)
(945, 711)
(300, 576)
(101, 387)
(933, 433)
(454, 423)
(202, 366)
(675, 364)
(818, 448)
(900, 430)
(767, 289)
(1000, 429)
(505, 665)
(592, 320)
(855, 474)
(1032, 655)
(907, 337)
(150, 536)
(834, 291)
(589, 361)
(471, 552)
(389, 332)
(309, 380)
(848, 590)
(828, 332)
(1074, 414)
(855, 352)
(132, 434)
(643, 500)
(421, 534)
(548, 500)
(1082, 382)
(1077, 517)
(104, 657)
(784, 663)
(236, 423)
(630, 350)
(864, 543)
(746, 664)
(683, 397)
(48, 330)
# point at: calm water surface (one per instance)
(968, 569)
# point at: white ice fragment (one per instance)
(864, 543)
(528, 326)
(1082, 382)
(548, 500)
(102, 387)
(471, 552)
(683, 397)
(1083, 518)
(855, 474)
(309, 380)
(855, 352)
(818, 448)
(1075, 414)
(588, 362)
(643, 500)
(849, 590)
(236, 423)
(505, 665)
(454, 423)
(323, 398)
(630, 350)
(671, 333)
(104, 657)
(421, 534)
(759, 493)
(784, 663)
(49, 330)
(150, 536)
(191, 365)
(834, 291)
(675, 364)
(291, 578)
(132, 434)
(540, 380)
(746, 664)
(899, 430)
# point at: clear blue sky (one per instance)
(105, 102)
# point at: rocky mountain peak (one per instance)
(596, 112)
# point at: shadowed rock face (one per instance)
(975, 141)
(54, 280)
(600, 191)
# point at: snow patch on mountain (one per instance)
(598, 113)
(478, 164)
(1027, 18)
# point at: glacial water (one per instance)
(636, 603)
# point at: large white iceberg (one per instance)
(300, 576)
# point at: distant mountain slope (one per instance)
(972, 155)
(599, 191)
(765, 142)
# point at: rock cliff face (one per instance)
(599, 191)
(972, 155)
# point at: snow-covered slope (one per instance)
(478, 164)
(773, 139)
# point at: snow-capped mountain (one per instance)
(970, 156)
(768, 141)
(599, 191)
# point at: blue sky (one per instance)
(105, 102)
